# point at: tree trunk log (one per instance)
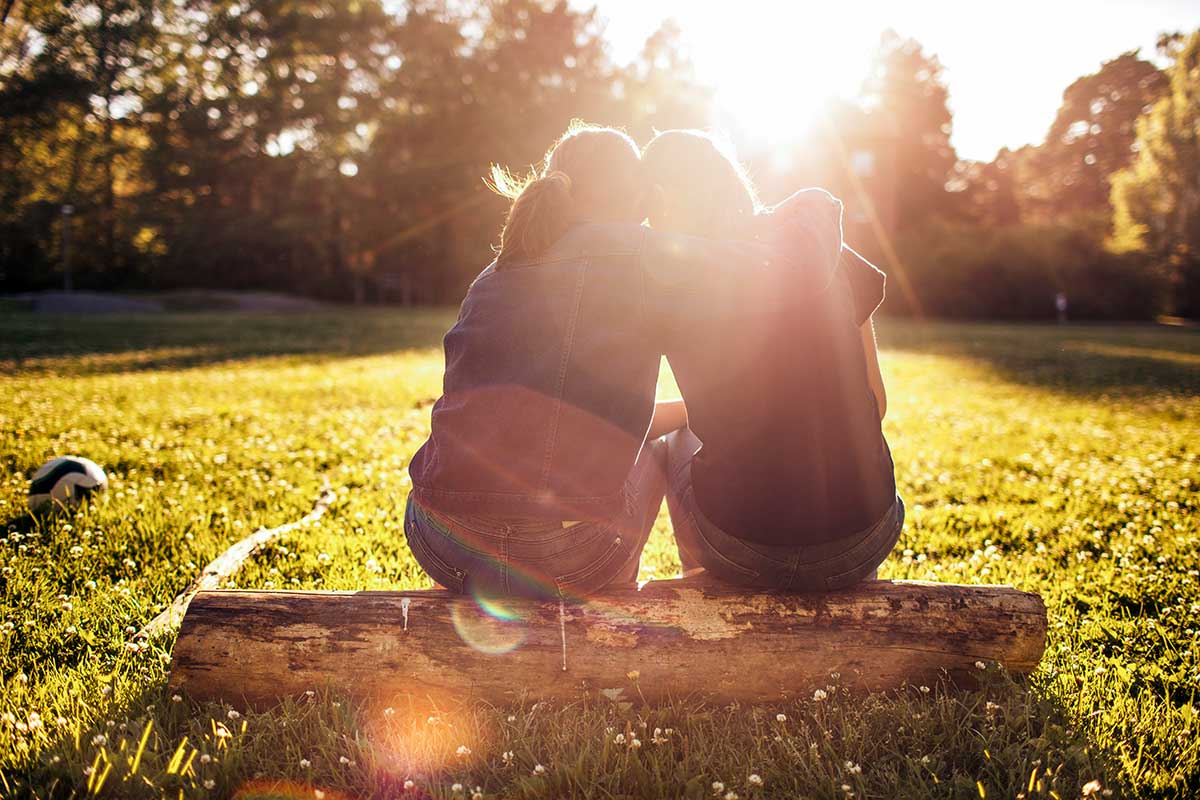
(679, 636)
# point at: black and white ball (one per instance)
(66, 481)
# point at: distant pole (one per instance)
(67, 211)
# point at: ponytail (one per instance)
(591, 173)
(542, 210)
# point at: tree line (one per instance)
(336, 149)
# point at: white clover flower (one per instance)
(619, 739)
(99, 740)
(781, 717)
(539, 770)
(512, 717)
(409, 786)
(731, 795)
(507, 758)
(210, 783)
(718, 787)
(463, 751)
(205, 759)
(635, 743)
(232, 714)
(755, 779)
(924, 690)
(819, 695)
(456, 788)
(980, 665)
(1090, 788)
(305, 763)
(924, 759)
(852, 768)
(343, 760)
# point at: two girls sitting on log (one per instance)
(548, 459)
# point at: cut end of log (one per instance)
(680, 636)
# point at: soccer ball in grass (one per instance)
(66, 481)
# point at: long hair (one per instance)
(706, 188)
(590, 173)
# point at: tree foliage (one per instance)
(1156, 200)
(336, 149)
(328, 148)
(1092, 136)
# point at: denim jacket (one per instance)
(552, 366)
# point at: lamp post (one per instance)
(67, 211)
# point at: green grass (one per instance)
(1061, 460)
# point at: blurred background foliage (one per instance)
(336, 149)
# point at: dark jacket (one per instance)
(552, 366)
(793, 450)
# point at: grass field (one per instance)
(1059, 459)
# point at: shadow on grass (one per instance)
(105, 344)
(1089, 361)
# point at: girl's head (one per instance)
(591, 174)
(697, 186)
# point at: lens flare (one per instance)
(489, 625)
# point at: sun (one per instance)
(775, 71)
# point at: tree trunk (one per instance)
(680, 636)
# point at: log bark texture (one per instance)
(681, 636)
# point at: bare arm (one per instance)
(669, 415)
(874, 376)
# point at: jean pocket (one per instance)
(709, 550)
(881, 543)
(586, 574)
(438, 568)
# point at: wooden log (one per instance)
(680, 636)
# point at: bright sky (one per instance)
(1006, 64)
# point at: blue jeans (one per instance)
(492, 556)
(802, 568)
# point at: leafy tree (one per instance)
(1092, 137)
(988, 191)
(660, 89)
(907, 124)
(1156, 199)
(76, 97)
